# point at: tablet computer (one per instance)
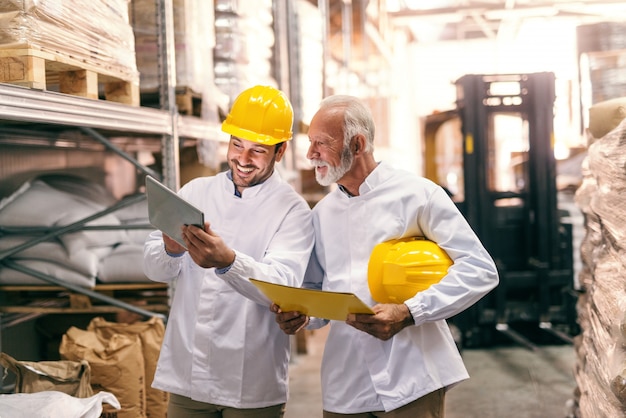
(168, 211)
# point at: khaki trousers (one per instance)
(428, 406)
(183, 407)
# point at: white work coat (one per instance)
(361, 373)
(219, 346)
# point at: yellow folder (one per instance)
(311, 302)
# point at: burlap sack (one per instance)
(606, 116)
(117, 366)
(70, 377)
(151, 334)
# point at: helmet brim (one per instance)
(233, 130)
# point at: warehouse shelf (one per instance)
(192, 127)
(28, 105)
(52, 116)
(39, 110)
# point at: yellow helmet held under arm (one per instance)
(261, 114)
(398, 269)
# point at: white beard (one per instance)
(333, 174)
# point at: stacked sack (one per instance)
(60, 388)
(123, 359)
(81, 256)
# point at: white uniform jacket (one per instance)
(219, 346)
(361, 373)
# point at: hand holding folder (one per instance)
(311, 302)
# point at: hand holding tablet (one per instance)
(169, 212)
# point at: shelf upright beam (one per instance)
(324, 7)
(280, 59)
(167, 90)
(294, 71)
(347, 35)
(286, 68)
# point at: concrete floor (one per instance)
(505, 381)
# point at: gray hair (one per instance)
(357, 118)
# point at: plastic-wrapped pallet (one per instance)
(244, 41)
(601, 357)
(311, 57)
(95, 33)
(194, 39)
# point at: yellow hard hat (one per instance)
(260, 114)
(398, 269)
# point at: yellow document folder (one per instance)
(317, 303)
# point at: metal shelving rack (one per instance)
(34, 109)
(21, 104)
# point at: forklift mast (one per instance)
(505, 185)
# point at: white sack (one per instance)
(52, 404)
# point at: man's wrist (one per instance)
(223, 270)
(409, 320)
(172, 254)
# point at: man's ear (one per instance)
(280, 150)
(359, 144)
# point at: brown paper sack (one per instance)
(70, 377)
(151, 334)
(117, 366)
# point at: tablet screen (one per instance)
(168, 211)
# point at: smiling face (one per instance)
(327, 151)
(252, 163)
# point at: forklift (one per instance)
(494, 155)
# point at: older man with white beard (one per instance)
(400, 361)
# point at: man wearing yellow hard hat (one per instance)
(222, 353)
(400, 244)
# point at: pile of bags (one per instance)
(109, 366)
(81, 257)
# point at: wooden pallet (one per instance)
(188, 101)
(37, 69)
(47, 299)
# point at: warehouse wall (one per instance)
(538, 46)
